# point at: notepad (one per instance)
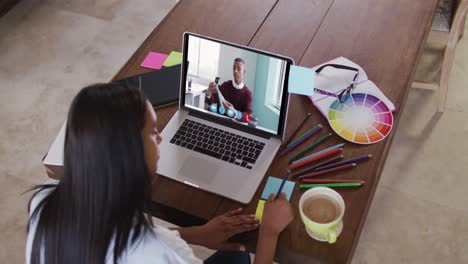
(154, 60)
(272, 186)
(301, 80)
(365, 117)
(160, 87)
(174, 58)
(335, 80)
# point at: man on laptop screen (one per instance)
(237, 95)
(250, 83)
(231, 117)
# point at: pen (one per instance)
(285, 177)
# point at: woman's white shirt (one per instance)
(162, 246)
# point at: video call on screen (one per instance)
(234, 83)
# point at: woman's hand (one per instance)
(277, 215)
(218, 230)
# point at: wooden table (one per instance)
(385, 37)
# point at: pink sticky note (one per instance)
(154, 60)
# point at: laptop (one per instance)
(231, 118)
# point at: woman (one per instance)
(97, 212)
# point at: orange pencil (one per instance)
(329, 181)
(315, 158)
(343, 167)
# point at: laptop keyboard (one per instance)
(218, 143)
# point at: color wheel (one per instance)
(362, 119)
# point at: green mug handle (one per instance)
(332, 235)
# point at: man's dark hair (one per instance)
(239, 60)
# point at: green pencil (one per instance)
(341, 184)
(320, 140)
(303, 135)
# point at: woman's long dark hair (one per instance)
(106, 184)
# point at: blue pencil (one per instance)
(344, 162)
(318, 153)
(285, 177)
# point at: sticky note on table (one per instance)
(259, 211)
(174, 58)
(301, 80)
(272, 186)
(154, 60)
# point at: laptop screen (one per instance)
(236, 83)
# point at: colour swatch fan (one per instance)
(362, 118)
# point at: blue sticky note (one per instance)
(273, 185)
(301, 80)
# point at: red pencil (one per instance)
(315, 158)
(311, 169)
(318, 173)
(329, 181)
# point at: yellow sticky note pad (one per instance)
(259, 212)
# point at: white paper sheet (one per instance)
(335, 80)
(220, 96)
(55, 154)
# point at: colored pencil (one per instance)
(329, 181)
(326, 162)
(297, 129)
(306, 137)
(303, 135)
(344, 162)
(285, 177)
(315, 158)
(316, 143)
(318, 152)
(342, 184)
(344, 167)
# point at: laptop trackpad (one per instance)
(199, 170)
